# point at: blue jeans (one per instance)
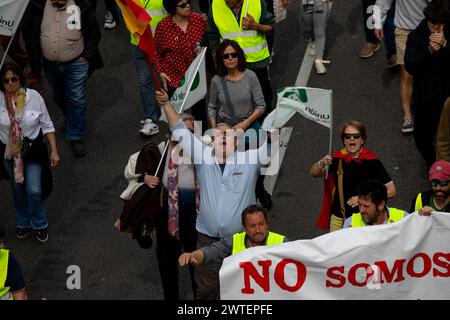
(30, 210)
(68, 82)
(146, 88)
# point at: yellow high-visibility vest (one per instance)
(418, 204)
(239, 241)
(394, 216)
(4, 291)
(253, 43)
(156, 10)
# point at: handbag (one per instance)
(31, 149)
(336, 223)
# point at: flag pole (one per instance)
(246, 8)
(331, 131)
(181, 108)
(190, 84)
(7, 49)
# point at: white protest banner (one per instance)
(314, 104)
(192, 88)
(11, 12)
(409, 259)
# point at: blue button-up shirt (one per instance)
(223, 196)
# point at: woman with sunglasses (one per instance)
(24, 120)
(177, 37)
(235, 97)
(348, 168)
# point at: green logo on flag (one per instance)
(195, 83)
(296, 94)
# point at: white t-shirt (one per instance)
(34, 117)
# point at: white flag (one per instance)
(192, 87)
(314, 104)
(11, 12)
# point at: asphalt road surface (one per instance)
(85, 201)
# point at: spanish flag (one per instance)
(137, 21)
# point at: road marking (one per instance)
(269, 181)
(285, 134)
(305, 68)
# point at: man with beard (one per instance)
(438, 198)
(372, 199)
(256, 233)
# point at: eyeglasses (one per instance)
(355, 136)
(434, 183)
(230, 55)
(184, 4)
(10, 80)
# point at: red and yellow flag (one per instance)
(137, 21)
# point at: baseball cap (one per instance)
(440, 170)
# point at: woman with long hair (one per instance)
(236, 97)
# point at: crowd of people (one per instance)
(204, 199)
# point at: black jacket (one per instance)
(31, 29)
(431, 72)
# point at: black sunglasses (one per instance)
(230, 55)
(434, 183)
(355, 136)
(10, 80)
(184, 4)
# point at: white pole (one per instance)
(6, 51)
(246, 8)
(331, 130)
(162, 157)
(190, 84)
(181, 107)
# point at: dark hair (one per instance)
(13, 67)
(438, 11)
(358, 125)
(221, 70)
(372, 190)
(171, 6)
(252, 209)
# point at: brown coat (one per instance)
(143, 207)
(443, 134)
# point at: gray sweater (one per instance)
(408, 13)
(246, 96)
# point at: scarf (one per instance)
(329, 184)
(13, 148)
(172, 186)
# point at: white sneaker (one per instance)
(320, 67)
(149, 128)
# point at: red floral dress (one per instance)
(175, 48)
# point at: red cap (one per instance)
(440, 170)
